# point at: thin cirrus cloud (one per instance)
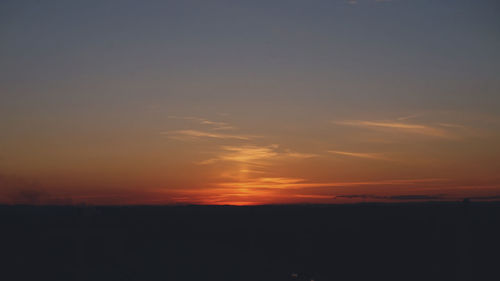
(246, 153)
(407, 117)
(397, 126)
(300, 155)
(272, 189)
(197, 134)
(298, 183)
(449, 125)
(253, 154)
(215, 125)
(314, 196)
(211, 132)
(358, 154)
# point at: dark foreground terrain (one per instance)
(431, 241)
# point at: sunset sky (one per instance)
(249, 102)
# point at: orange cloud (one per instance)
(254, 154)
(400, 127)
(214, 124)
(195, 134)
(358, 154)
(276, 190)
(297, 183)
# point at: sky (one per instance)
(249, 102)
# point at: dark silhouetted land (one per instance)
(428, 241)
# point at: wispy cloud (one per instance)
(298, 183)
(449, 125)
(215, 125)
(397, 126)
(314, 196)
(243, 154)
(412, 116)
(254, 154)
(300, 155)
(264, 190)
(247, 153)
(195, 134)
(358, 154)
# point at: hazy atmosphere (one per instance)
(249, 102)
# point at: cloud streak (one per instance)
(247, 153)
(398, 127)
(254, 154)
(358, 154)
(265, 190)
(215, 125)
(196, 134)
(298, 183)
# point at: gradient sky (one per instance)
(249, 102)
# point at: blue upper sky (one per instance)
(89, 88)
